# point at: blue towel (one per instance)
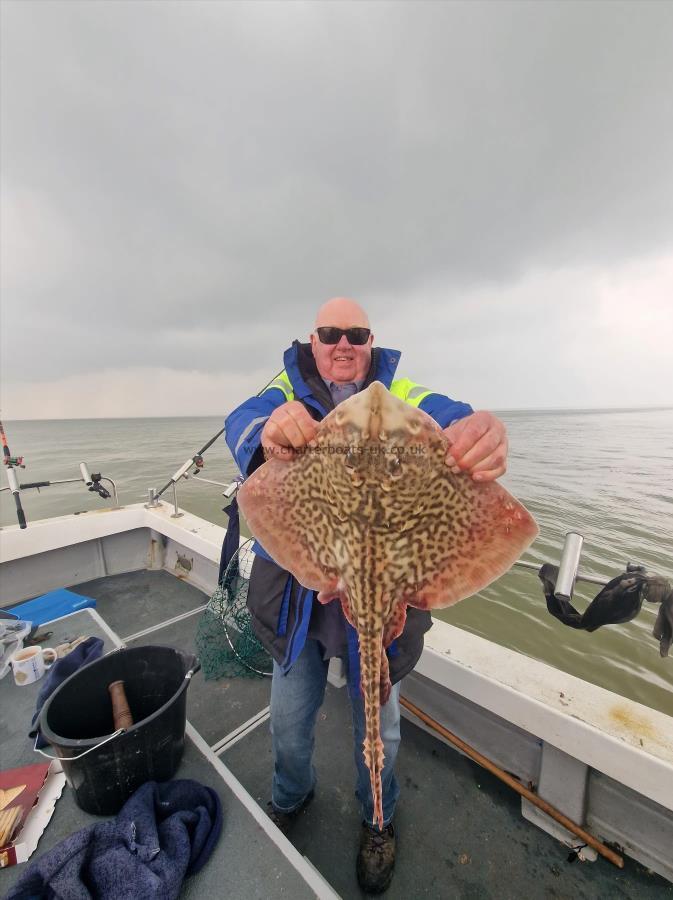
(86, 652)
(163, 834)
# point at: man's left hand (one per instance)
(478, 446)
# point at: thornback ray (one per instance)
(374, 517)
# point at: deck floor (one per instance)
(460, 831)
(241, 837)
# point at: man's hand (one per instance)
(478, 446)
(288, 429)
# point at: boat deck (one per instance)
(460, 830)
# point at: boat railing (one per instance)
(230, 488)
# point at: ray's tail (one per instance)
(370, 681)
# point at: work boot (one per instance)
(285, 820)
(376, 859)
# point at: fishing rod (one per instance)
(92, 481)
(12, 462)
(197, 459)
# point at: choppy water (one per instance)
(606, 474)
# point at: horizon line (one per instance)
(501, 409)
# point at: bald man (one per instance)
(302, 635)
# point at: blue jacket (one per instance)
(244, 426)
(283, 614)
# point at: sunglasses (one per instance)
(354, 336)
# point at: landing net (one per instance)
(225, 642)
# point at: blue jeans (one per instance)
(295, 701)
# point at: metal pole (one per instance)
(152, 501)
(114, 489)
(30, 485)
(589, 579)
(176, 514)
(209, 481)
(39, 484)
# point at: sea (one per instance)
(606, 474)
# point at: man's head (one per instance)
(342, 362)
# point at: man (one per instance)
(301, 635)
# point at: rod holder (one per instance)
(86, 474)
(570, 560)
(152, 499)
(11, 479)
(232, 489)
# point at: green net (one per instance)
(225, 642)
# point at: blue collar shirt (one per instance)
(341, 392)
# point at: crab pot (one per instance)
(78, 718)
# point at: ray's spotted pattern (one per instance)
(373, 516)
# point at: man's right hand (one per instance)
(288, 429)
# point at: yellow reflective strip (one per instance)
(409, 391)
(400, 388)
(281, 383)
(419, 399)
(416, 391)
(277, 383)
(417, 394)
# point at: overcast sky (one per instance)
(183, 184)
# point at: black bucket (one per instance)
(104, 768)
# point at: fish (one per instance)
(371, 516)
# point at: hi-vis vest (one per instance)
(403, 388)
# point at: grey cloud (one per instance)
(225, 167)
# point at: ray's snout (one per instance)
(375, 414)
